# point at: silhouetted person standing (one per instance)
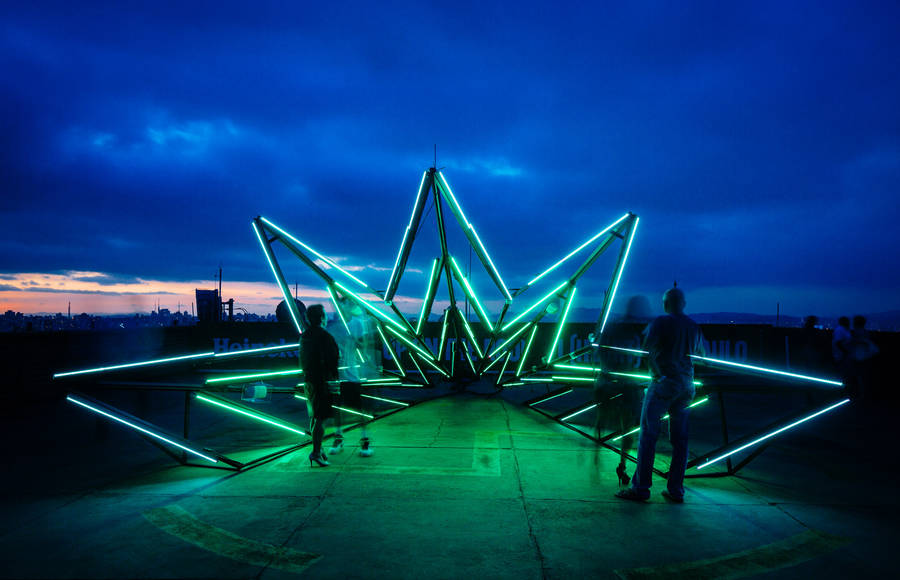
(841, 340)
(319, 360)
(671, 340)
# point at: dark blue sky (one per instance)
(759, 143)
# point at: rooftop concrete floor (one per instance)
(459, 486)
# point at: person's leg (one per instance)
(655, 404)
(318, 433)
(678, 435)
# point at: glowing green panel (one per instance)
(240, 411)
(423, 314)
(525, 352)
(278, 278)
(560, 325)
(776, 432)
(236, 378)
(576, 250)
(71, 399)
(322, 257)
(135, 364)
(619, 274)
(533, 306)
(765, 370)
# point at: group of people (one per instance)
(851, 350)
(333, 375)
(669, 340)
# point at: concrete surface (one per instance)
(460, 486)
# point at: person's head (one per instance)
(315, 314)
(810, 322)
(844, 321)
(859, 322)
(673, 301)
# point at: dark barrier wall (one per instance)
(29, 359)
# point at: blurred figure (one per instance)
(671, 340)
(812, 351)
(319, 361)
(840, 354)
(618, 398)
(860, 353)
(356, 336)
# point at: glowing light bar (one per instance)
(588, 408)
(503, 368)
(576, 250)
(302, 398)
(135, 364)
(469, 358)
(577, 368)
(436, 367)
(240, 411)
(765, 370)
(533, 306)
(619, 274)
(237, 378)
(247, 351)
(537, 379)
(564, 379)
(664, 418)
(71, 399)
(386, 400)
(526, 351)
(406, 233)
(288, 299)
(391, 350)
(386, 380)
(516, 384)
(774, 433)
(560, 325)
(443, 336)
(471, 294)
(619, 348)
(477, 239)
(410, 343)
(423, 314)
(508, 340)
(492, 363)
(418, 368)
(471, 335)
(544, 400)
(369, 307)
(322, 257)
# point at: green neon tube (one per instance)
(386, 400)
(247, 414)
(619, 274)
(391, 350)
(509, 340)
(338, 309)
(471, 335)
(576, 250)
(566, 379)
(588, 408)
(443, 336)
(383, 380)
(629, 350)
(141, 429)
(776, 432)
(516, 384)
(537, 379)
(526, 351)
(302, 398)
(422, 315)
(492, 363)
(279, 347)
(409, 343)
(471, 294)
(406, 233)
(560, 325)
(418, 368)
(436, 367)
(236, 378)
(469, 358)
(135, 364)
(369, 307)
(278, 278)
(475, 235)
(322, 257)
(503, 368)
(533, 306)
(765, 370)
(664, 418)
(538, 402)
(577, 368)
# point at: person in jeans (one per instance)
(671, 340)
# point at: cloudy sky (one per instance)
(759, 143)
